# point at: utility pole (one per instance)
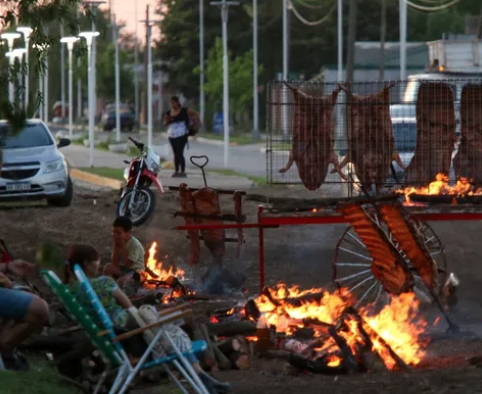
(340, 40)
(383, 32)
(255, 72)
(284, 89)
(350, 61)
(116, 29)
(201, 61)
(62, 75)
(403, 39)
(144, 95)
(79, 81)
(136, 74)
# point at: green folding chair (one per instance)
(106, 341)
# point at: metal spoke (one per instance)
(357, 240)
(356, 254)
(353, 265)
(353, 276)
(361, 283)
(366, 293)
(380, 288)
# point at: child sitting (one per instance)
(117, 306)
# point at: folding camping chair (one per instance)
(112, 349)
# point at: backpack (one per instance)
(193, 125)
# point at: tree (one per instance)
(240, 78)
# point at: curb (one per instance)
(95, 179)
(213, 142)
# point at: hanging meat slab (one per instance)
(435, 134)
(187, 206)
(467, 161)
(206, 202)
(238, 211)
(370, 137)
(312, 143)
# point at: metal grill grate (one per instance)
(346, 139)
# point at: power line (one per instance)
(432, 9)
(307, 22)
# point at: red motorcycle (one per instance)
(137, 198)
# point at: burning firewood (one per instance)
(232, 328)
(317, 366)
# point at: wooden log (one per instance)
(349, 361)
(210, 349)
(209, 360)
(251, 310)
(229, 345)
(219, 191)
(275, 354)
(239, 360)
(78, 352)
(49, 343)
(224, 363)
(244, 343)
(317, 366)
(232, 328)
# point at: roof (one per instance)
(367, 54)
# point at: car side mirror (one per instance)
(63, 142)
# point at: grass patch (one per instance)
(260, 181)
(113, 173)
(41, 379)
(241, 139)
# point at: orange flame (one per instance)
(157, 268)
(397, 323)
(440, 186)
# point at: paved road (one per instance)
(246, 159)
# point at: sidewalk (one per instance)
(78, 157)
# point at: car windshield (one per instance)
(405, 134)
(33, 135)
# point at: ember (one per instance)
(440, 186)
(395, 329)
(155, 269)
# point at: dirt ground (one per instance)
(300, 255)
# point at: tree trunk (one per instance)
(352, 24)
(479, 27)
(383, 31)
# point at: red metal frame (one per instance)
(316, 218)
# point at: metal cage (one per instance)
(344, 139)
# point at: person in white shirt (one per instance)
(177, 122)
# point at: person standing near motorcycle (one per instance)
(177, 121)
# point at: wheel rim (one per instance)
(352, 267)
(140, 208)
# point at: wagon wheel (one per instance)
(352, 266)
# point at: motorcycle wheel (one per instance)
(143, 208)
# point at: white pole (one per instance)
(94, 71)
(149, 87)
(284, 112)
(136, 75)
(91, 104)
(46, 89)
(27, 85)
(79, 93)
(71, 99)
(255, 72)
(340, 40)
(62, 76)
(224, 11)
(403, 39)
(117, 85)
(201, 60)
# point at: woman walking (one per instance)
(177, 121)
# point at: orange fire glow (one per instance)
(397, 323)
(463, 187)
(156, 267)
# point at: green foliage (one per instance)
(240, 77)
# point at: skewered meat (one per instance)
(410, 242)
(206, 201)
(312, 149)
(371, 146)
(238, 211)
(467, 161)
(435, 134)
(387, 264)
(187, 206)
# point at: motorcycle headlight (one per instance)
(53, 166)
(126, 174)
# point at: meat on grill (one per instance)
(187, 206)
(387, 264)
(206, 201)
(410, 242)
(467, 161)
(238, 211)
(435, 134)
(371, 146)
(312, 148)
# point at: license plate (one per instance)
(13, 187)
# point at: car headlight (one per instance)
(52, 166)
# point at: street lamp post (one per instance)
(149, 79)
(201, 61)
(70, 41)
(224, 6)
(255, 72)
(89, 38)
(10, 38)
(26, 31)
(117, 81)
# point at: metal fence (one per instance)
(346, 139)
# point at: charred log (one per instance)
(232, 328)
(318, 366)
